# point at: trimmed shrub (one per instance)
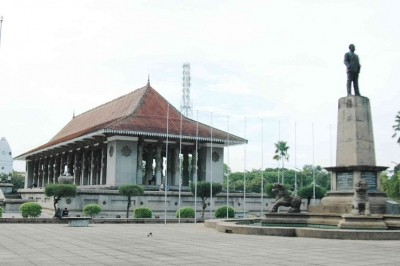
(142, 212)
(91, 209)
(186, 212)
(1, 212)
(30, 209)
(220, 212)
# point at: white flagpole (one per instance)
(166, 172)
(227, 180)
(211, 173)
(196, 179)
(244, 173)
(262, 166)
(330, 133)
(180, 173)
(313, 162)
(295, 159)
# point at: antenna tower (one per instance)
(186, 107)
(1, 24)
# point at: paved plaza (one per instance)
(178, 244)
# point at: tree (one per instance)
(396, 127)
(130, 190)
(203, 191)
(58, 191)
(17, 179)
(281, 153)
(307, 192)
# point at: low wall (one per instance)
(113, 204)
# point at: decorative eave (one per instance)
(102, 132)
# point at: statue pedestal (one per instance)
(373, 222)
(355, 159)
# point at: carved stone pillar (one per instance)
(99, 154)
(35, 175)
(45, 171)
(139, 176)
(176, 167)
(194, 165)
(57, 162)
(85, 167)
(92, 180)
(149, 164)
(69, 163)
(158, 164)
(51, 170)
(62, 164)
(77, 168)
(40, 173)
(104, 165)
(185, 170)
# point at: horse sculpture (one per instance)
(284, 199)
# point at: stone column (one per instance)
(45, 171)
(51, 170)
(62, 164)
(29, 174)
(139, 175)
(57, 162)
(176, 167)
(77, 166)
(158, 164)
(185, 168)
(98, 165)
(104, 165)
(69, 164)
(170, 163)
(85, 167)
(149, 164)
(194, 165)
(92, 180)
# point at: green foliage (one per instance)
(1, 212)
(220, 212)
(396, 127)
(186, 212)
(58, 191)
(17, 179)
(142, 212)
(390, 185)
(204, 191)
(307, 192)
(130, 190)
(30, 209)
(281, 153)
(91, 209)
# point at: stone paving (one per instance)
(178, 244)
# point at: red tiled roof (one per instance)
(141, 112)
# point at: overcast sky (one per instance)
(280, 62)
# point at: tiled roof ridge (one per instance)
(147, 87)
(97, 107)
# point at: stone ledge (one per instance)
(102, 220)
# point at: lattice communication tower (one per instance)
(186, 107)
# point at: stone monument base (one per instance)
(341, 202)
(373, 222)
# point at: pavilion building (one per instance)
(138, 138)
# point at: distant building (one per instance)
(6, 160)
(127, 141)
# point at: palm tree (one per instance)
(397, 127)
(281, 153)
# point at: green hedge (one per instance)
(30, 209)
(142, 212)
(186, 212)
(220, 212)
(91, 209)
(1, 212)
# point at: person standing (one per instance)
(352, 63)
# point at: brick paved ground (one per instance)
(178, 244)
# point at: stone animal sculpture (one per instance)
(361, 198)
(284, 199)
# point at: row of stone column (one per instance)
(88, 166)
(150, 153)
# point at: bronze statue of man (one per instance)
(353, 69)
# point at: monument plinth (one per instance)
(355, 159)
